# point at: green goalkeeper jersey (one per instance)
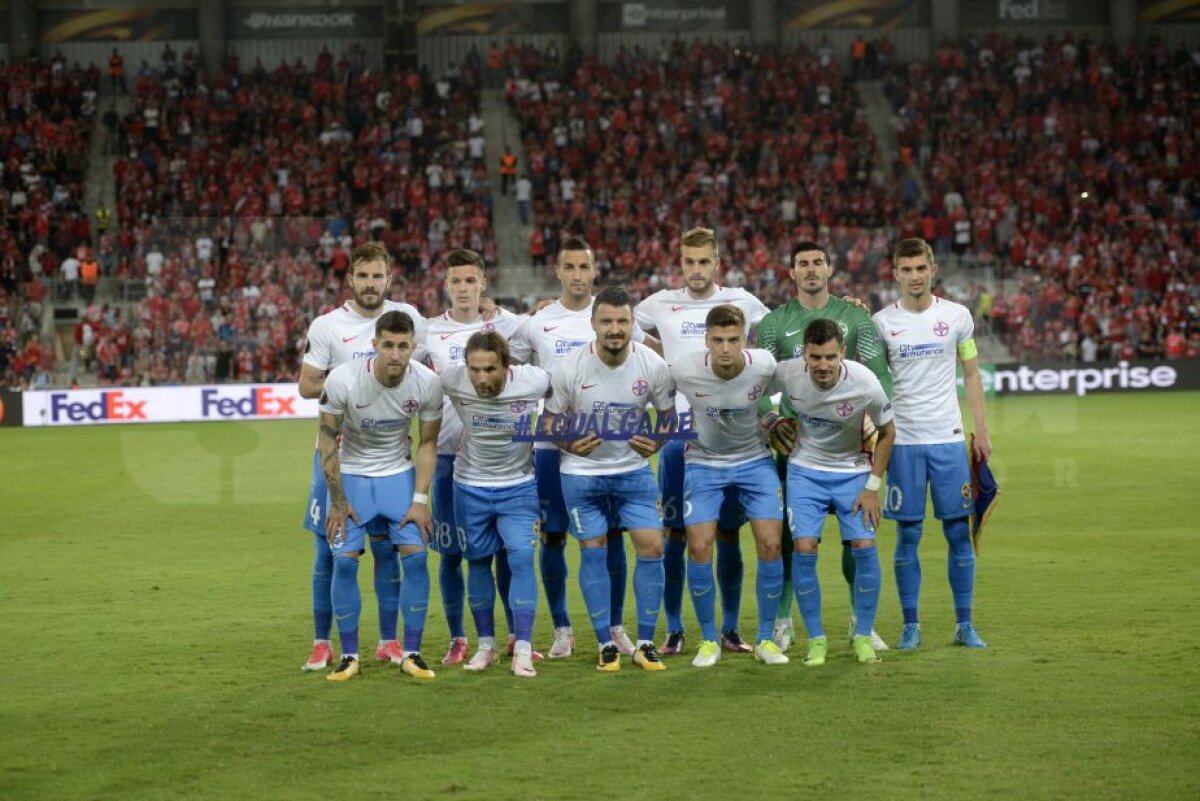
(781, 333)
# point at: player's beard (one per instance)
(611, 346)
(372, 305)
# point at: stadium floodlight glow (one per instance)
(1083, 195)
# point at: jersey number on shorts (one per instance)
(895, 498)
(314, 512)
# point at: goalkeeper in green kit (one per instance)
(781, 333)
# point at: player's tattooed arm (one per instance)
(328, 428)
(312, 381)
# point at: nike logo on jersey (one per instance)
(702, 395)
(549, 328)
(896, 333)
(349, 339)
(446, 336)
(793, 333)
(677, 308)
(587, 386)
(361, 405)
(773, 597)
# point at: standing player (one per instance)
(829, 471)
(724, 384)
(344, 335)
(495, 494)
(553, 333)
(446, 342)
(782, 334)
(370, 405)
(603, 479)
(678, 317)
(925, 336)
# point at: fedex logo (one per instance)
(258, 402)
(110, 406)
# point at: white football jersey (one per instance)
(725, 411)
(556, 331)
(487, 455)
(584, 385)
(679, 319)
(343, 335)
(829, 422)
(376, 419)
(922, 351)
(446, 343)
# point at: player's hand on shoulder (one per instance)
(489, 309)
(541, 304)
(644, 446)
(853, 301)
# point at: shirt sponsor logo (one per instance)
(562, 347)
(258, 402)
(927, 350)
(819, 422)
(486, 422)
(458, 353)
(692, 329)
(713, 413)
(383, 426)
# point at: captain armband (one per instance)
(967, 350)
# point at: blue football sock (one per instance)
(414, 598)
(730, 571)
(387, 586)
(701, 585)
(347, 601)
(648, 594)
(504, 586)
(867, 578)
(322, 586)
(960, 566)
(808, 592)
(593, 583)
(450, 579)
(481, 592)
(553, 560)
(618, 579)
(522, 592)
(848, 570)
(785, 600)
(769, 589)
(673, 569)
(908, 567)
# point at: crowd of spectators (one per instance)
(46, 111)
(1066, 168)
(1071, 167)
(764, 148)
(240, 196)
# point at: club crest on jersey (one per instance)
(845, 329)
(487, 327)
(845, 408)
(518, 406)
(410, 406)
(967, 493)
(641, 387)
(941, 328)
(755, 392)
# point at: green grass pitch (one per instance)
(154, 588)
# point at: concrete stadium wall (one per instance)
(912, 44)
(609, 44)
(439, 53)
(85, 53)
(272, 51)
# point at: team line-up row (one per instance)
(858, 397)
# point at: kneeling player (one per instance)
(828, 470)
(371, 478)
(723, 385)
(495, 494)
